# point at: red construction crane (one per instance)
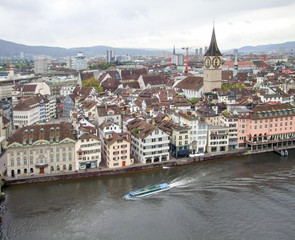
(264, 60)
(186, 48)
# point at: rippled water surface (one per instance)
(250, 197)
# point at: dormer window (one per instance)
(32, 131)
(110, 113)
(26, 131)
(24, 141)
(57, 139)
(57, 129)
(42, 130)
(52, 129)
(31, 141)
(51, 139)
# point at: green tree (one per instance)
(92, 82)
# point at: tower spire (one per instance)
(213, 49)
(174, 50)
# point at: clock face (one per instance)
(216, 62)
(207, 62)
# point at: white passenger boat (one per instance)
(147, 191)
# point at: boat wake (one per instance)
(186, 181)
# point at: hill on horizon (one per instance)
(11, 49)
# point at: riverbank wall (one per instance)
(128, 169)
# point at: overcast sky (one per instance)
(147, 23)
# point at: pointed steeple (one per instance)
(213, 48)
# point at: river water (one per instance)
(249, 197)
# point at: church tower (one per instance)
(212, 66)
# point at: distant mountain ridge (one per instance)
(11, 49)
(267, 48)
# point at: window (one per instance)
(64, 167)
(18, 162)
(57, 168)
(12, 163)
(25, 161)
(64, 157)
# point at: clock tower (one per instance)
(212, 66)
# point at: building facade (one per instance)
(149, 144)
(41, 149)
(267, 126)
(88, 152)
(117, 150)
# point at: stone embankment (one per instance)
(122, 170)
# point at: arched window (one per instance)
(70, 166)
(57, 168)
(18, 171)
(25, 170)
(64, 167)
(31, 170)
(51, 168)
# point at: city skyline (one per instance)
(134, 24)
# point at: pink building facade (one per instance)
(267, 126)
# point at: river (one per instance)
(249, 197)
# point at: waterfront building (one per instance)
(230, 121)
(212, 66)
(198, 130)
(179, 138)
(267, 126)
(41, 149)
(190, 87)
(88, 152)
(218, 139)
(117, 150)
(5, 130)
(149, 144)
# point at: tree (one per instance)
(92, 82)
